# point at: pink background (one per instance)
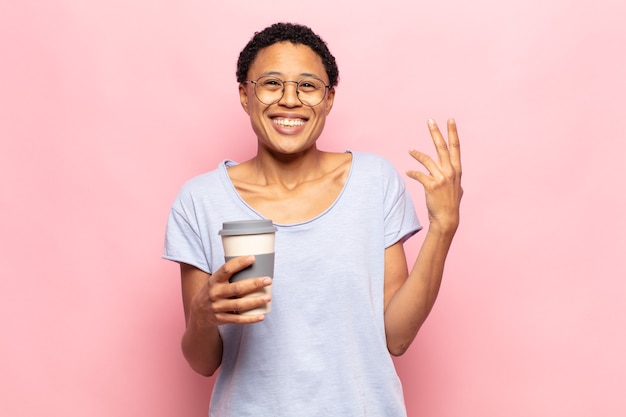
(106, 107)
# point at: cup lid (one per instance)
(247, 227)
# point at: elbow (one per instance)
(207, 372)
(201, 365)
(398, 344)
(202, 359)
(204, 368)
(398, 350)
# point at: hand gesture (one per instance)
(217, 301)
(442, 183)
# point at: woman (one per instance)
(343, 298)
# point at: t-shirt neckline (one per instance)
(227, 163)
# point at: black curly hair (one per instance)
(294, 33)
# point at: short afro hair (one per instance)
(287, 32)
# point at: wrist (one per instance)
(198, 320)
(447, 227)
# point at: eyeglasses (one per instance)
(269, 90)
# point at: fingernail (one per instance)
(431, 122)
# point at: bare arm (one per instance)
(210, 300)
(409, 297)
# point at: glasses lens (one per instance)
(311, 91)
(269, 90)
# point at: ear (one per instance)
(243, 96)
(330, 99)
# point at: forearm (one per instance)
(411, 304)
(202, 347)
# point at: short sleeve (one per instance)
(182, 238)
(401, 221)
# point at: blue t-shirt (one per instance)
(321, 351)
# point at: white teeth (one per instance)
(288, 122)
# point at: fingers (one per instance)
(227, 310)
(442, 182)
(443, 154)
(427, 162)
(448, 154)
(245, 287)
(226, 299)
(454, 146)
(234, 318)
(234, 265)
(440, 143)
(241, 287)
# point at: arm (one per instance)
(210, 300)
(409, 297)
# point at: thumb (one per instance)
(234, 265)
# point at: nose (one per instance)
(290, 94)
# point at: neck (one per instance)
(288, 170)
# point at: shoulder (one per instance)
(373, 163)
(204, 185)
(370, 157)
(337, 163)
(200, 181)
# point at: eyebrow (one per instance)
(303, 74)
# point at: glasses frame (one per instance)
(255, 83)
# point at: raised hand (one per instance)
(442, 183)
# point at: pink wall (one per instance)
(106, 107)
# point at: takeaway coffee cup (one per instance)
(251, 237)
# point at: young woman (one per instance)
(343, 298)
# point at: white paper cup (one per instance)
(251, 237)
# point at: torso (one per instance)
(300, 202)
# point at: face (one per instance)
(287, 126)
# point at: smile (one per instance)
(288, 122)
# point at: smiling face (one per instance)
(287, 126)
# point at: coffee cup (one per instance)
(251, 237)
